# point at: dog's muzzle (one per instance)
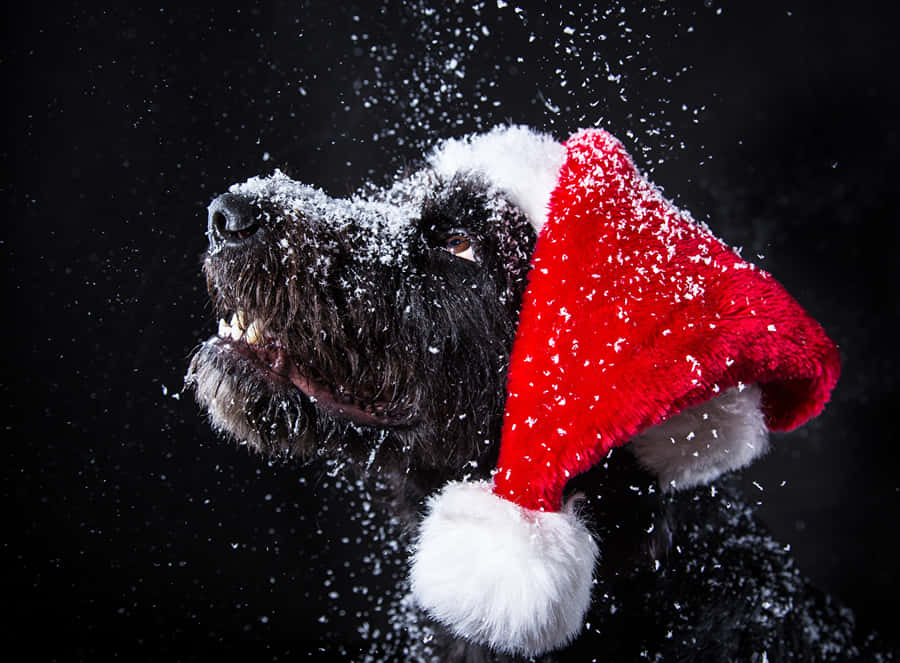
(232, 221)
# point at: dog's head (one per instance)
(375, 328)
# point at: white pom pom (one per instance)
(495, 573)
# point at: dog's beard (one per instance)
(243, 405)
(284, 412)
(280, 420)
(364, 389)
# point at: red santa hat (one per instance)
(637, 325)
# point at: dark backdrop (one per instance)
(132, 530)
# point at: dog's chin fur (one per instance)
(278, 420)
(247, 407)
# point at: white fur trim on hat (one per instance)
(514, 579)
(520, 162)
(707, 440)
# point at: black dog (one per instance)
(375, 332)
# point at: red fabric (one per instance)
(633, 313)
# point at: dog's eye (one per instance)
(460, 246)
(458, 243)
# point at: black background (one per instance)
(133, 531)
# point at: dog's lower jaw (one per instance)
(233, 394)
(269, 413)
(228, 374)
(275, 365)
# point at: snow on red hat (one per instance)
(637, 324)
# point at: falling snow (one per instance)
(608, 51)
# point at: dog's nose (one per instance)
(231, 220)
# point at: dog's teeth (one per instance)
(254, 332)
(236, 333)
(224, 329)
(239, 321)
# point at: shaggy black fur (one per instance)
(381, 314)
(388, 321)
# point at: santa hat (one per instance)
(637, 323)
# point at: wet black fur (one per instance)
(684, 577)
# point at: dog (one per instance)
(374, 333)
